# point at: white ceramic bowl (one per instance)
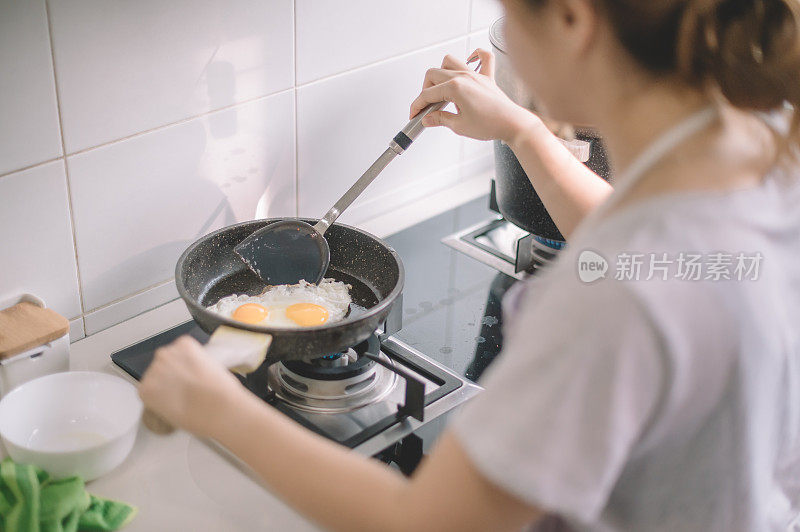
(74, 423)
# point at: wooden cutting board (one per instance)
(25, 326)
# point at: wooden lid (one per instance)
(25, 326)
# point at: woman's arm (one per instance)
(326, 482)
(344, 491)
(568, 189)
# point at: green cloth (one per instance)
(31, 501)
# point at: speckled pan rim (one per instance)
(382, 305)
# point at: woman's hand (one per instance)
(188, 388)
(484, 111)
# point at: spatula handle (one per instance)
(397, 146)
(156, 423)
(409, 134)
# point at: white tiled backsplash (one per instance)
(130, 129)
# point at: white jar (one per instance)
(51, 357)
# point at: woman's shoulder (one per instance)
(684, 225)
(684, 260)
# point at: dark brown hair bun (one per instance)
(748, 49)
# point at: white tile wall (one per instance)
(484, 12)
(29, 131)
(336, 36)
(342, 129)
(139, 203)
(36, 250)
(180, 117)
(125, 67)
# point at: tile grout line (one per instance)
(139, 292)
(145, 132)
(179, 122)
(401, 55)
(66, 167)
(296, 159)
(32, 166)
(469, 16)
(145, 311)
(296, 125)
(467, 37)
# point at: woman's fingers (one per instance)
(451, 62)
(169, 361)
(435, 76)
(483, 111)
(487, 61)
(184, 384)
(452, 69)
(443, 92)
(440, 118)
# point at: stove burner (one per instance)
(339, 382)
(332, 361)
(338, 366)
(555, 244)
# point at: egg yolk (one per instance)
(251, 313)
(307, 314)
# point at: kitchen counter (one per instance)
(178, 482)
(182, 482)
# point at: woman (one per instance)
(636, 402)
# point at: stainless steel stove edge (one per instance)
(445, 404)
(456, 242)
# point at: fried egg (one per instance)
(289, 306)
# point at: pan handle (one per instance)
(238, 350)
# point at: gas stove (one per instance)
(371, 397)
(440, 339)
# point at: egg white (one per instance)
(331, 294)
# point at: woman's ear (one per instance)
(578, 22)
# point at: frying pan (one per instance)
(209, 270)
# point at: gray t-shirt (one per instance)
(663, 399)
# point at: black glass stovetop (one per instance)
(451, 302)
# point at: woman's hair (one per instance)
(748, 49)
